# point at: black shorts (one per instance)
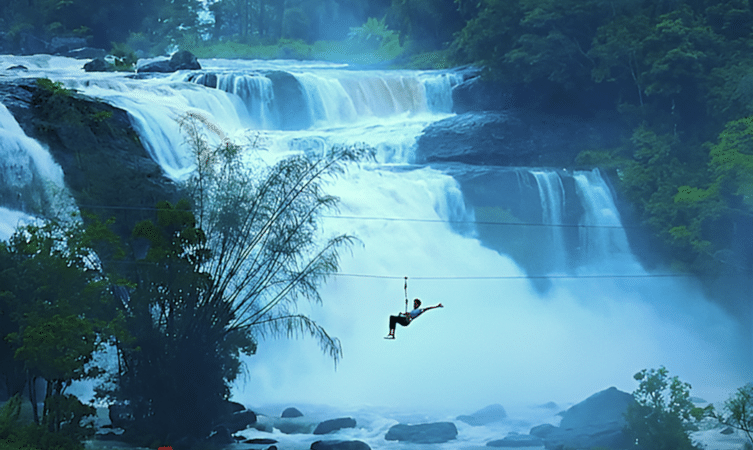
(402, 320)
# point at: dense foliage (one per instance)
(218, 273)
(677, 73)
(56, 312)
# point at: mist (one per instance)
(497, 340)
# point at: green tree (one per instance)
(59, 313)
(738, 411)
(221, 272)
(662, 413)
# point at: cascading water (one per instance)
(31, 180)
(499, 338)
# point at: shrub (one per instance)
(662, 414)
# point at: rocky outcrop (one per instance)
(181, 60)
(490, 414)
(597, 421)
(290, 95)
(98, 65)
(290, 413)
(330, 426)
(474, 93)
(340, 445)
(239, 421)
(426, 433)
(106, 168)
(513, 138)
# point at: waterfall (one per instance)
(471, 239)
(552, 194)
(30, 180)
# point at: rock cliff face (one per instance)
(105, 165)
(501, 125)
(514, 138)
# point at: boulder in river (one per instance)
(490, 414)
(330, 426)
(425, 433)
(340, 445)
(597, 421)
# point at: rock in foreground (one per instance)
(330, 426)
(490, 414)
(427, 433)
(340, 445)
(597, 421)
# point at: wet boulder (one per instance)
(98, 65)
(340, 445)
(181, 60)
(426, 433)
(598, 421)
(330, 426)
(184, 60)
(490, 414)
(290, 413)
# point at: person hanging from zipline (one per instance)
(405, 318)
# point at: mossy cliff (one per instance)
(106, 167)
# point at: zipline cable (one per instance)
(406, 219)
(518, 277)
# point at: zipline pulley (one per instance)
(406, 296)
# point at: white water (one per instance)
(497, 340)
(30, 180)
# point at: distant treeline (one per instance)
(677, 73)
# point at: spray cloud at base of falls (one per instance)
(500, 337)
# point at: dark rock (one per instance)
(18, 67)
(517, 440)
(260, 441)
(184, 60)
(221, 436)
(239, 420)
(121, 415)
(543, 430)
(291, 107)
(98, 65)
(32, 45)
(427, 433)
(330, 426)
(157, 66)
(491, 138)
(597, 421)
(477, 94)
(86, 53)
(515, 138)
(339, 445)
(290, 413)
(728, 430)
(103, 160)
(484, 416)
(59, 45)
(605, 407)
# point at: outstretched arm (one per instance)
(432, 307)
